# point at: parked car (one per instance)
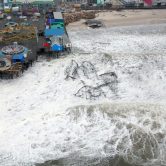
(15, 8)
(25, 24)
(11, 24)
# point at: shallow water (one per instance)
(67, 112)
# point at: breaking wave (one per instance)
(106, 134)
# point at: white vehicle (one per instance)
(8, 17)
(11, 24)
(7, 8)
(23, 17)
(37, 14)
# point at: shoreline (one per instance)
(124, 18)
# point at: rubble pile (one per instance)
(73, 17)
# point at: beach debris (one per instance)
(109, 77)
(72, 70)
(88, 70)
(93, 23)
(89, 92)
(94, 85)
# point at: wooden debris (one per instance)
(73, 17)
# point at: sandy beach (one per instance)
(125, 18)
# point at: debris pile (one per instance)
(17, 33)
(73, 17)
(93, 84)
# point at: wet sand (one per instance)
(125, 18)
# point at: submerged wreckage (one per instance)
(20, 44)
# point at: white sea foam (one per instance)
(36, 123)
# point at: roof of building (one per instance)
(57, 15)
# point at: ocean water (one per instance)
(102, 105)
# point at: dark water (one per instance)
(82, 161)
